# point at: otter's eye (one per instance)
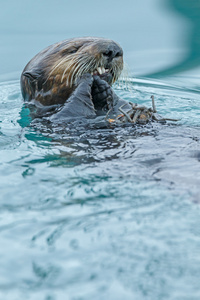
(73, 51)
(69, 51)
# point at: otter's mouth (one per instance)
(105, 74)
(100, 71)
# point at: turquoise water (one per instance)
(103, 213)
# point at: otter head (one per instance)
(88, 55)
(51, 75)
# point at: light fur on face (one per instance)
(74, 65)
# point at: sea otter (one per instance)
(73, 78)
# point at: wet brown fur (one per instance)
(50, 77)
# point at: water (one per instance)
(103, 213)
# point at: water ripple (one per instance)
(100, 213)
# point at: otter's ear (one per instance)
(32, 76)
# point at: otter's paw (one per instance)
(102, 94)
(86, 78)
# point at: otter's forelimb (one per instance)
(79, 103)
(92, 97)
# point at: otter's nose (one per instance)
(113, 51)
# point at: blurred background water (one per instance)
(103, 213)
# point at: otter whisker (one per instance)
(64, 61)
(78, 64)
(65, 70)
(77, 72)
(81, 69)
(57, 65)
(70, 75)
(73, 63)
(116, 73)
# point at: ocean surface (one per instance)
(111, 212)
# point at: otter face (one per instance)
(50, 77)
(89, 55)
